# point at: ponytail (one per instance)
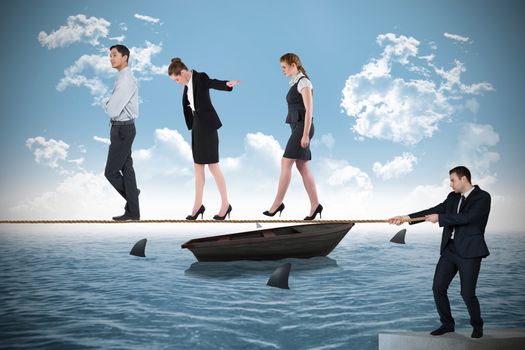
(302, 70)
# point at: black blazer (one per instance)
(469, 223)
(201, 97)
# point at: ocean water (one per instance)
(76, 287)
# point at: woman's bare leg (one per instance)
(215, 170)
(199, 186)
(309, 183)
(284, 182)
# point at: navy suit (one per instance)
(463, 253)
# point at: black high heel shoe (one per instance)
(279, 209)
(217, 217)
(319, 209)
(200, 211)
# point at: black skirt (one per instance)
(293, 147)
(204, 143)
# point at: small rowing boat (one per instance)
(298, 241)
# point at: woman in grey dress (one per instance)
(300, 118)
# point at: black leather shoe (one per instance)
(279, 209)
(126, 217)
(217, 217)
(199, 212)
(477, 333)
(442, 330)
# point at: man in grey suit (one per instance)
(463, 216)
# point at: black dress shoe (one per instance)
(477, 333)
(279, 209)
(200, 211)
(217, 217)
(442, 330)
(126, 217)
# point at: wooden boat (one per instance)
(298, 241)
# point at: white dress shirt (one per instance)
(190, 92)
(466, 194)
(124, 101)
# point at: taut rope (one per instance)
(167, 221)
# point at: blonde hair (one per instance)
(290, 58)
(176, 66)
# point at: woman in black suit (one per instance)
(300, 118)
(203, 121)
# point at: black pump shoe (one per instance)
(200, 211)
(217, 217)
(279, 209)
(319, 209)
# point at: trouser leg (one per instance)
(445, 272)
(119, 166)
(468, 274)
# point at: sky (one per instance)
(403, 92)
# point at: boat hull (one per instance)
(271, 244)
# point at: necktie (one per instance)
(462, 201)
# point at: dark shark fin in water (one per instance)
(399, 238)
(279, 277)
(138, 248)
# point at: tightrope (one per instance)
(170, 221)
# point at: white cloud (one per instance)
(103, 140)
(142, 154)
(77, 161)
(146, 18)
(74, 76)
(452, 84)
(266, 145)
(79, 28)
(456, 37)
(175, 140)
(79, 195)
(48, 152)
(474, 147)
(343, 174)
(400, 165)
(399, 48)
(118, 39)
(404, 110)
(328, 140)
(472, 105)
(141, 60)
(123, 26)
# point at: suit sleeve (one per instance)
(479, 209)
(438, 209)
(215, 84)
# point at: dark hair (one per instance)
(293, 58)
(123, 50)
(176, 66)
(460, 172)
